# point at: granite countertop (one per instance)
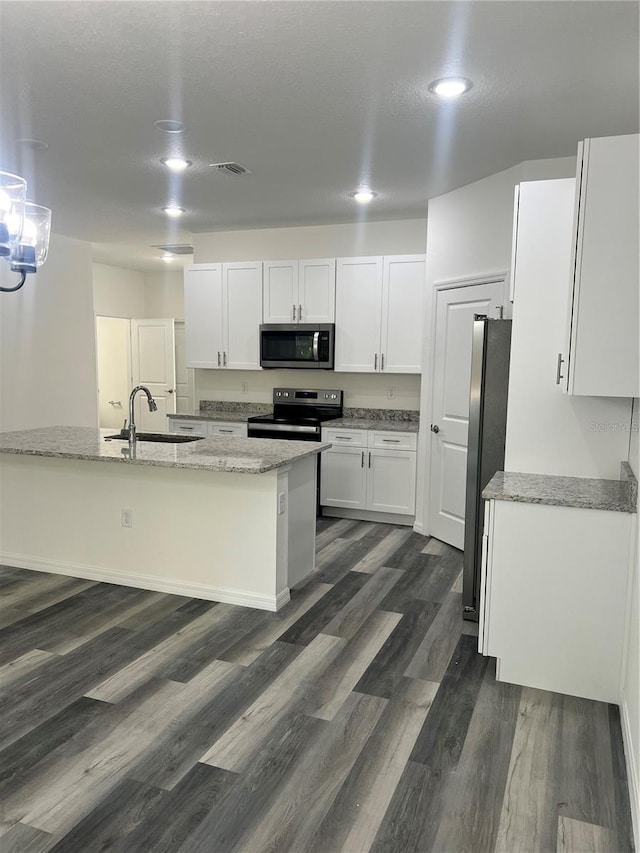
(222, 415)
(234, 455)
(581, 492)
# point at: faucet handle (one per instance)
(124, 427)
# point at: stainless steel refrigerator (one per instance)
(487, 429)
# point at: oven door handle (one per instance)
(316, 341)
(283, 429)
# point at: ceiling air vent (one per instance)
(176, 249)
(230, 168)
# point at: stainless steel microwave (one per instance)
(303, 345)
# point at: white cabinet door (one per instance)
(317, 291)
(242, 313)
(391, 481)
(343, 480)
(358, 311)
(203, 315)
(604, 338)
(402, 310)
(280, 292)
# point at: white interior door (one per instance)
(153, 365)
(455, 309)
(184, 374)
(114, 370)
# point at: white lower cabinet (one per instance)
(553, 599)
(361, 473)
(188, 427)
(207, 428)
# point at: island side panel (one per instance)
(206, 534)
(301, 518)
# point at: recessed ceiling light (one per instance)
(176, 164)
(450, 87)
(32, 144)
(363, 196)
(173, 211)
(170, 126)
(166, 258)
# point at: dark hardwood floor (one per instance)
(358, 718)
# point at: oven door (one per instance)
(302, 345)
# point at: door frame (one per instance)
(421, 524)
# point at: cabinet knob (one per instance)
(435, 428)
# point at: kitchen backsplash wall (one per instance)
(361, 390)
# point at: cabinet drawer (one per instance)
(345, 437)
(393, 440)
(237, 430)
(199, 427)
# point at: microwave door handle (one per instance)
(316, 339)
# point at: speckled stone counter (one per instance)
(392, 420)
(234, 455)
(233, 416)
(581, 492)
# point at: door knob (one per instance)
(171, 391)
(435, 428)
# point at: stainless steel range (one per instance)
(297, 414)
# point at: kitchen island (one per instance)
(224, 519)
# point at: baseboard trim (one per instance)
(632, 771)
(418, 527)
(173, 586)
(368, 515)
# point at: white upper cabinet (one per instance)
(403, 284)
(203, 315)
(223, 309)
(299, 291)
(379, 307)
(241, 313)
(601, 358)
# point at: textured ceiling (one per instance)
(313, 97)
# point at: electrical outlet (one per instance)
(391, 393)
(282, 503)
(126, 518)
(244, 387)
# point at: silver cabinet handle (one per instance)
(224, 359)
(559, 375)
(391, 440)
(362, 462)
(382, 362)
(224, 430)
(294, 313)
(369, 459)
(299, 313)
(218, 359)
(185, 429)
(375, 361)
(344, 437)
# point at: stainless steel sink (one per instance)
(161, 437)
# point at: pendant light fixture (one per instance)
(25, 229)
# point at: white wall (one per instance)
(47, 346)
(118, 292)
(469, 235)
(164, 294)
(360, 389)
(399, 237)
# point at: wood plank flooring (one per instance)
(358, 718)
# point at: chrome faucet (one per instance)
(152, 408)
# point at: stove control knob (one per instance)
(334, 396)
(286, 394)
